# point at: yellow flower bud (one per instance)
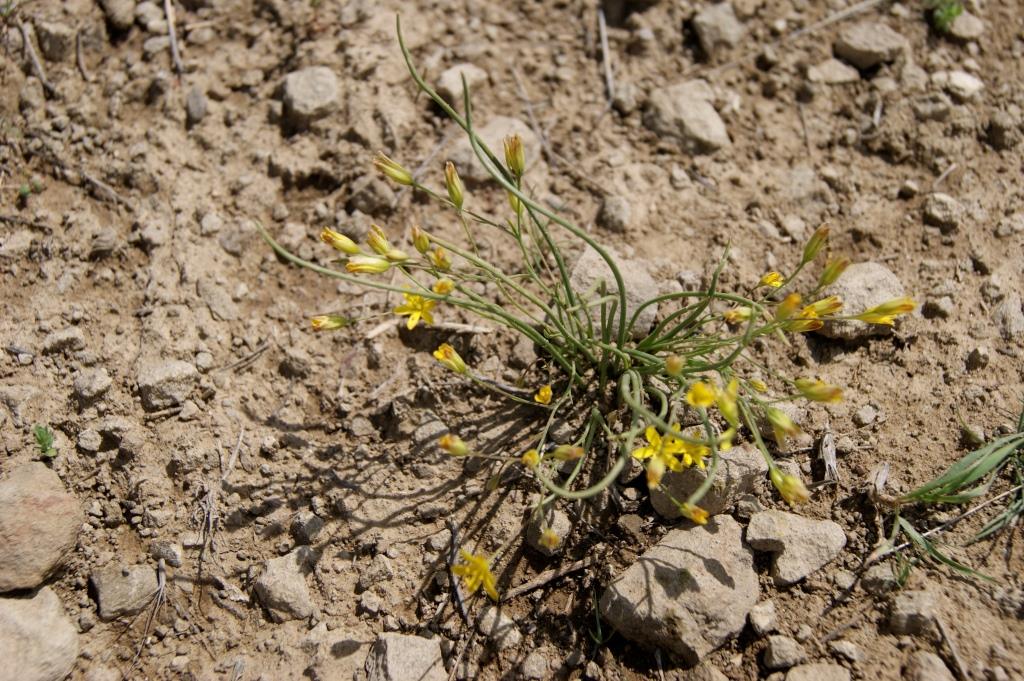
(420, 240)
(531, 458)
(700, 394)
(443, 287)
(782, 425)
(833, 268)
(803, 325)
(759, 386)
(674, 365)
(453, 183)
(884, 313)
(392, 169)
(517, 205)
(447, 356)
(819, 391)
(737, 315)
(453, 444)
(568, 452)
(378, 240)
(694, 513)
(339, 241)
(440, 260)
(549, 539)
(543, 395)
(328, 322)
(367, 264)
(772, 279)
(790, 487)
(823, 307)
(515, 156)
(396, 255)
(815, 243)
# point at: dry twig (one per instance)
(175, 52)
(80, 58)
(606, 58)
(30, 53)
(548, 576)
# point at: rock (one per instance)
(553, 518)
(763, 618)
(306, 527)
(942, 308)
(379, 570)
(155, 45)
(783, 652)
(591, 269)
(308, 95)
(942, 211)
(120, 13)
(818, 671)
(616, 214)
(147, 12)
(64, 340)
(535, 667)
(56, 41)
(961, 85)
(401, 657)
(684, 112)
(91, 384)
(833, 72)
(493, 133)
(39, 523)
(195, 107)
(89, 440)
(861, 286)
(371, 195)
(165, 384)
(932, 107)
(217, 299)
(1004, 131)
(123, 591)
(282, 588)
(978, 358)
(37, 640)
(803, 545)
(449, 84)
(927, 666)
(168, 551)
(1009, 316)
(966, 27)
(868, 44)
(912, 613)
(879, 579)
(499, 628)
(865, 416)
(717, 27)
(739, 471)
(689, 594)
(847, 650)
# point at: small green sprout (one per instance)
(44, 440)
(943, 13)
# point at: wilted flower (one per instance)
(737, 315)
(453, 444)
(367, 264)
(531, 458)
(819, 391)
(772, 279)
(833, 268)
(694, 513)
(887, 311)
(443, 287)
(420, 240)
(453, 183)
(440, 260)
(815, 244)
(515, 156)
(782, 425)
(823, 307)
(790, 487)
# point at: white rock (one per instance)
(309, 94)
(123, 591)
(763, 618)
(942, 211)
(165, 384)
(783, 652)
(684, 112)
(717, 27)
(833, 72)
(449, 85)
(967, 27)
(493, 133)
(400, 657)
(91, 384)
(282, 587)
(802, 545)
(868, 44)
(499, 628)
(862, 286)
(847, 650)
(818, 671)
(962, 86)
(37, 640)
(739, 471)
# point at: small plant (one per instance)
(672, 396)
(943, 13)
(44, 440)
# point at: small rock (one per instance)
(89, 440)
(978, 359)
(282, 588)
(833, 72)
(121, 592)
(818, 671)
(296, 363)
(868, 44)
(591, 268)
(210, 223)
(912, 613)
(961, 85)
(370, 603)
(689, 594)
(739, 471)
(865, 416)
(966, 27)
(379, 570)
(684, 112)
(847, 650)
(168, 551)
(370, 195)
(862, 286)
(535, 667)
(879, 579)
(499, 628)
(554, 519)
(927, 666)
(1004, 131)
(306, 527)
(449, 84)
(493, 133)
(217, 299)
(717, 27)
(308, 95)
(69, 339)
(56, 41)
(195, 107)
(91, 384)
(429, 432)
(942, 211)
(165, 384)
(401, 657)
(783, 652)
(147, 12)
(802, 545)
(39, 524)
(616, 214)
(763, 618)
(909, 189)
(932, 107)
(120, 13)
(156, 45)
(941, 308)
(37, 640)
(1009, 316)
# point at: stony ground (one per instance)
(231, 496)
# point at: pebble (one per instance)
(554, 518)
(308, 95)
(306, 527)
(56, 41)
(740, 469)
(961, 85)
(684, 112)
(449, 83)
(1009, 316)
(218, 299)
(879, 579)
(500, 629)
(616, 214)
(865, 416)
(802, 545)
(932, 107)
(123, 591)
(818, 671)
(833, 72)
(535, 667)
(371, 195)
(927, 666)
(909, 189)
(912, 613)
(402, 657)
(91, 384)
(155, 45)
(165, 384)
(862, 286)
(1004, 130)
(39, 524)
(967, 27)
(38, 642)
(493, 133)
(941, 308)
(717, 27)
(195, 106)
(69, 339)
(868, 44)
(942, 211)
(763, 617)
(282, 588)
(147, 12)
(847, 650)
(675, 599)
(89, 440)
(783, 652)
(120, 13)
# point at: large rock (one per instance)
(123, 591)
(39, 523)
(684, 112)
(591, 269)
(400, 657)
(862, 286)
(493, 134)
(802, 545)
(739, 470)
(868, 44)
(37, 640)
(689, 594)
(165, 384)
(717, 27)
(282, 587)
(308, 95)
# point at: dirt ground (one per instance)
(127, 224)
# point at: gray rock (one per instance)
(449, 84)
(147, 12)
(429, 432)
(535, 667)
(927, 666)
(165, 384)
(56, 41)
(833, 72)
(306, 527)
(961, 85)
(400, 657)
(493, 133)
(879, 579)
(39, 524)
(865, 416)
(68, 339)
(942, 308)
(31, 98)
(379, 570)
(91, 384)
(554, 518)
(168, 551)
(123, 591)
(783, 652)
(282, 588)
(195, 106)
(217, 299)
(1004, 131)
(155, 45)
(818, 671)
(862, 286)
(308, 95)
(120, 13)
(689, 594)
(37, 640)
(1009, 316)
(371, 195)
(942, 211)
(616, 214)
(847, 650)
(912, 613)
(932, 107)
(868, 44)
(967, 27)
(763, 618)
(802, 545)
(684, 112)
(89, 440)
(591, 269)
(739, 471)
(717, 27)
(499, 628)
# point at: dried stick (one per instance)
(79, 58)
(175, 53)
(606, 57)
(453, 584)
(548, 576)
(30, 52)
(960, 668)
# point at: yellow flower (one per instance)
(567, 452)
(440, 260)
(420, 240)
(475, 571)
(655, 470)
(515, 156)
(339, 241)
(700, 394)
(378, 240)
(453, 444)
(674, 365)
(815, 244)
(772, 279)
(657, 445)
(392, 169)
(823, 307)
(549, 539)
(884, 313)
(447, 356)
(726, 400)
(543, 395)
(453, 183)
(531, 458)
(417, 307)
(790, 487)
(694, 513)
(737, 315)
(788, 307)
(328, 322)
(782, 425)
(833, 268)
(819, 391)
(694, 453)
(443, 287)
(758, 385)
(367, 264)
